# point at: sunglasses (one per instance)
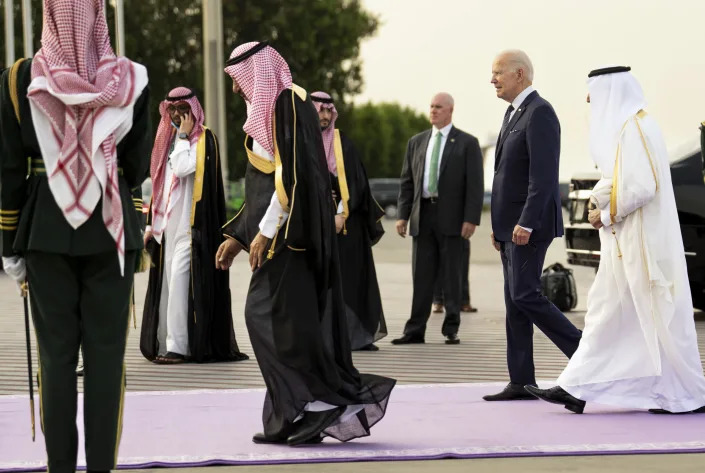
(183, 109)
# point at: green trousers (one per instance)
(80, 302)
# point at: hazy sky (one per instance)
(424, 46)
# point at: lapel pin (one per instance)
(452, 140)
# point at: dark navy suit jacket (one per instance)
(525, 186)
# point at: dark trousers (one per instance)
(464, 282)
(80, 302)
(434, 255)
(527, 306)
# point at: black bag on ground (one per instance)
(558, 285)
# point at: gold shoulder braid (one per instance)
(13, 87)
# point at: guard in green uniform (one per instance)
(76, 140)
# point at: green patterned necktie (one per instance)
(433, 175)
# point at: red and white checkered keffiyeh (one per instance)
(82, 98)
(328, 133)
(160, 152)
(262, 77)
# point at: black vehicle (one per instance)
(386, 192)
(583, 241)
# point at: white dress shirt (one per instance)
(516, 103)
(268, 224)
(429, 150)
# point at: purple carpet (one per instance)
(197, 428)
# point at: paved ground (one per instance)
(480, 356)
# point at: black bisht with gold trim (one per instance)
(362, 230)
(295, 311)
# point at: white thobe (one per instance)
(172, 332)
(639, 347)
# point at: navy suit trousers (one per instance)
(527, 306)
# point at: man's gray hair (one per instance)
(518, 59)
(446, 97)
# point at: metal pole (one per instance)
(9, 33)
(213, 80)
(27, 36)
(120, 27)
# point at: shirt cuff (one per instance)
(605, 217)
(527, 229)
(340, 207)
(274, 216)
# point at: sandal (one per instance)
(170, 358)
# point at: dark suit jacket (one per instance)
(460, 182)
(525, 186)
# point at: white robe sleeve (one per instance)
(601, 192)
(183, 159)
(637, 175)
(268, 224)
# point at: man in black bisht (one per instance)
(294, 311)
(357, 223)
(187, 311)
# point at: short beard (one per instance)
(324, 128)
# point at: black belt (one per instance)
(429, 200)
(41, 171)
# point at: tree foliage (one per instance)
(380, 133)
(320, 39)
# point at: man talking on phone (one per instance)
(183, 321)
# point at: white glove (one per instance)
(15, 268)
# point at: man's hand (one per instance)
(257, 247)
(467, 230)
(339, 222)
(147, 236)
(401, 227)
(594, 217)
(494, 242)
(520, 236)
(186, 123)
(227, 251)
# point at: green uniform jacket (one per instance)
(30, 219)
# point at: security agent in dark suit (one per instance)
(526, 217)
(441, 201)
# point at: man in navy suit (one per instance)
(526, 217)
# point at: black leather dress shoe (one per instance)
(699, 410)
(408, 339)
(452, 339)
(512, 392)
(313, 424)
(261, 438)
(557, 395)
